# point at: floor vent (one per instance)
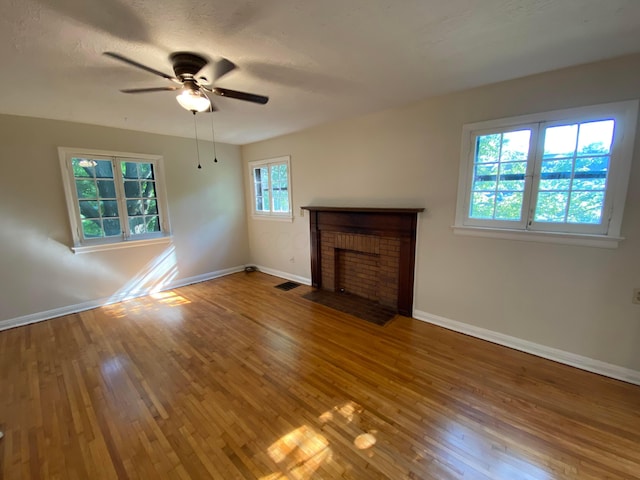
(286, 286)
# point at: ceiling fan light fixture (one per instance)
(193, 100)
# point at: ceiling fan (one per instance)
(193, 88)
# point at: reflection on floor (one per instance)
(353, 305)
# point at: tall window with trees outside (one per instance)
(560, 175)
(271, 191)
(113, 199)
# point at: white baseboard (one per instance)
(80, 307)
(568, 358)
(285, 275)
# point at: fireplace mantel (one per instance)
(313, 208)
(388, 223)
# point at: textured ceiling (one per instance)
(317, 60)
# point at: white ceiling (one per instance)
(317, 60)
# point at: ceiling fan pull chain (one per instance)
(195, 127)
(213, 137)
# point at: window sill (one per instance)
(118, 244)
(583, 240)
(275, 218)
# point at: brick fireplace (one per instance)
(368, 252)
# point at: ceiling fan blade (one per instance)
(133, 63)
(223, 67)
(151, 89)
(249, 97)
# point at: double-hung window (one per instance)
(557, 176)
(114, 199)
(270, 181)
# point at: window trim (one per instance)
(625, 114)
(87, 245)
(270, 215)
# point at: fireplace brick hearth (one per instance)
(365, 252)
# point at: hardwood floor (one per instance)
(234, 379)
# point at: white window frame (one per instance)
(86, 245)
(270, 162)
(605, 235)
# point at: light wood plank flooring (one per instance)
(234, 379)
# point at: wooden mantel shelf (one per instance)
(313, 208)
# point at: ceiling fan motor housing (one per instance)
(187, 65)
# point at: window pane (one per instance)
(136, 225)
(595, 137)
(560, 141)
(482, 205)
(279, 186)
(86, 189)
(261, 188)
(129, 169)
(111, 227)
(89, 209)
(591, 173)
(551, 207)
(555, 175)
(280, 201)
(515, 145)
(509, 206)
(150, 206)
(92, 228)
(106, 188)
(486, 177)
(488, 148)
(103, 169)
(512, 176)
(586, 207)
(593, 164)
(152, 224)
(279, 175)
(574, 173)
(145, 170)
(96, 197)
(500, 165)
(144, 224)
(148, 189)
(83, 167)
(109, 208)
(134, 207)
(132, 189)
(509, 182)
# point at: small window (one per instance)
(114, 200)
(559, 174)
(270, 181)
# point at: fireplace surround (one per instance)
(368, 252)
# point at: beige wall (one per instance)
(38, 271)
(576, 299)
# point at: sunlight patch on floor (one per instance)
(299, 453)
(365, 440)
(156, 301)
(302, 451)
(170, 299)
